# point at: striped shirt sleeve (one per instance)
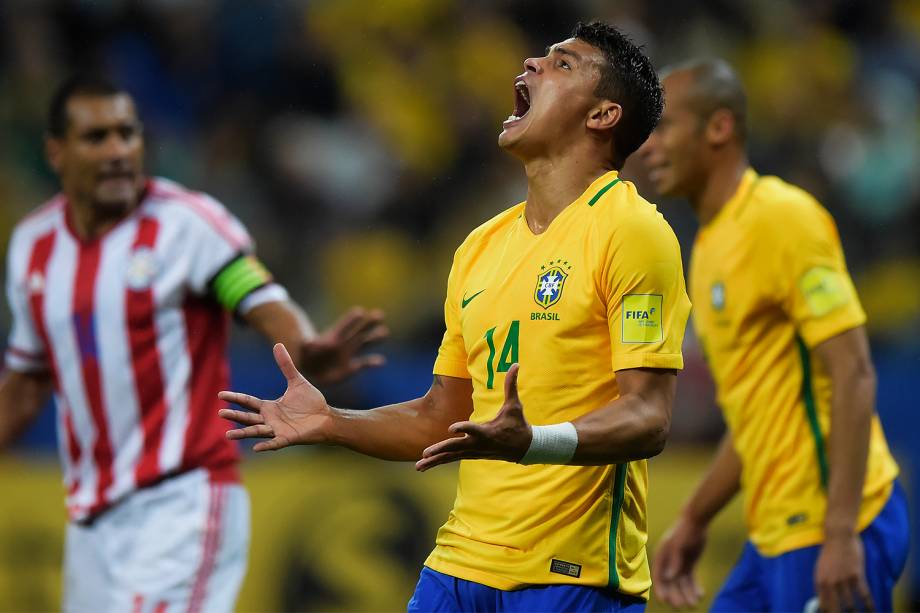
(25, 350)
(215, 238)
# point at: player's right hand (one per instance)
(675, 560)
(300, 417)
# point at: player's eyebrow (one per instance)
(563, 50)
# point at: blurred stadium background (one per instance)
(357, 141)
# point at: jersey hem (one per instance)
(815, 536)
(269, 292)
(478, 576)
(820, 333)
(648, 360)
(19, 363)
(507, 584)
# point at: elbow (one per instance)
(860, 382)
(867, 376)
(657, 428)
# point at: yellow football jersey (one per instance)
(769, 282)
(601, 290)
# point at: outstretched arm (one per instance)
(22, 395)
(302, 417)
(328, 356)
(680, 548)
(634, 426)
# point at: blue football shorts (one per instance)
(786, 582)
(443, 593)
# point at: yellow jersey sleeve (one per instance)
(821, 301)
(646, 298)
(452, 357)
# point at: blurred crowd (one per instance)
(357, 140)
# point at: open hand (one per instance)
(675, 560)
(334, 354)
(507, 437)
(840, 576)
(300, 417)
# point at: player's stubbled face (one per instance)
(673, 153)
(552, 98)
(100, 157)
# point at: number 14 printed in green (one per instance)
(509, 354)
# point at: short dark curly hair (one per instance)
(629, 79)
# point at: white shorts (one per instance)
(180, 545)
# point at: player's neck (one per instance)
(554, 184)
(90, 222)
(720, 185)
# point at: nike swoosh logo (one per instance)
(466, 300)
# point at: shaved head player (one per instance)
(556, 375)
(784, 334)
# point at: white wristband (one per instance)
(555, 444)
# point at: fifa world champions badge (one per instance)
(550, 282)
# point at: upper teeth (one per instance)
(521, 87)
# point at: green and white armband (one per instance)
(239, 279)
(555, 444)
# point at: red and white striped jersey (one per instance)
(136, 344)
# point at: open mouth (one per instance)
(521, 101)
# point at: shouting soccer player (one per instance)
(121, 289)
(557, 372)
(782, 327)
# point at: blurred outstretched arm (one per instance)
(327, 356)
(22, 396)
(680, 548)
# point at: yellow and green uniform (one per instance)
(601, 290)
(769, 283)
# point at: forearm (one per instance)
(848, 448)
(719, 485)
(398, 432)
(21, 398)
(282, 322)
(629, 428)
(402, 431)
(848, 363)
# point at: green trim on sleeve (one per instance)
(811, 410)
(238, 279)
(619, 493)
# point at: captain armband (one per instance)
(555, 444)
(239, 279)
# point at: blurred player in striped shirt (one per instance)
(121, 289)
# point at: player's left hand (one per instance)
(507, 437)
(333, 355)
(840, 576)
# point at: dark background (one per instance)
(356, 140)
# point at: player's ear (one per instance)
(604, 115)
(54, 151)
(720, 128)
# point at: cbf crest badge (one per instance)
(550, 282)
(717, 295)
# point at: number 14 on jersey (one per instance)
(508, 355)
